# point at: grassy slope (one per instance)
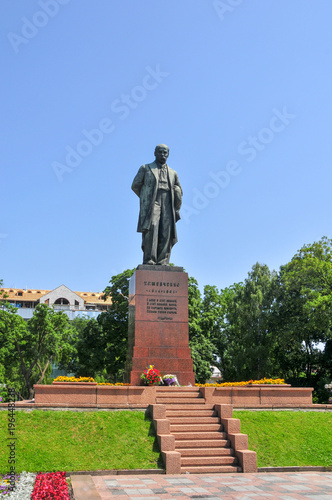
(63, 440)
(288, 438)
(51, 441)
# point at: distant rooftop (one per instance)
(34, 295)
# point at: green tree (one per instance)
(327, 359)
(114, 323)
(33, 345)
(90, 349)
(10, 374)
(207, 329)
(71, 363)
(202, 349)
(101, 345)
(250, 330)
(214, 323)
(305, 308)
(194, 308)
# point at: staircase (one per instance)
(200, 437)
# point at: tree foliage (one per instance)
(201, 348)
(305, 308)
(101, 345)
(250, 328)
(28, 348)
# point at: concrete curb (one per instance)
(121, 472)
(304, 468)
(142, 472)
(316, 407)
(120, 407)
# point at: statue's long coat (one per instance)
(145, 185)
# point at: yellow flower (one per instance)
(279, 381)
(74, 379)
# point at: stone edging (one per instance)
(313, 407)
(295, 468)
(116, 472)
(94, 407)
(142, 472)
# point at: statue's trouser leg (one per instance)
(165, 228)
(150, 238)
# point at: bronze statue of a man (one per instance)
(160, 193)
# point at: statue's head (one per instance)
(161, 153)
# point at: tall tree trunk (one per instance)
(26, 373)
(42, 372)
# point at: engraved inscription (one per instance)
(163, 287)
(166, 309)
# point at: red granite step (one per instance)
(212, 452)
(210, 469)
(175, 389)
(194, 419)
(177, 401)
(179, 394)
(195, 428)
(193, 407)
(183, 411)
(215, 460)
(198, 436)
(202, 443)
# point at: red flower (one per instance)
(50, 486)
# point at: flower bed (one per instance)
(23, 486)
(117, 384)
(152, 376)
(84, 380)
(74, 379)
(29, 485)
(263, 381)
(51, 485)
(6, 484)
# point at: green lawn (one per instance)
(288, 438)
(66, 440)
(70, 441)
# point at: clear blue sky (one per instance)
(239, 90)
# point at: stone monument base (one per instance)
(91, 395)
(158, 324)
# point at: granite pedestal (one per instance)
(158, 324)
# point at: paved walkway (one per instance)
(282, 485)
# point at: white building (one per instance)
(74, 304)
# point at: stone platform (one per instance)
(91, 395)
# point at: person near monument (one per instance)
(158, 187)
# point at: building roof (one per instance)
(30, 295)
